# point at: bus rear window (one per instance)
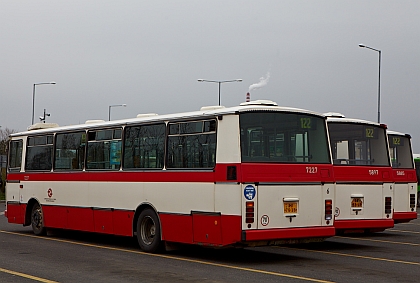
(283, 137)
(400, 151)
(358, 144)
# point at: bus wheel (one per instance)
(148, 231)
(37, 220)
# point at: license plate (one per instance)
(356, 202)
(290, 207)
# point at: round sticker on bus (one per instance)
(249, 192)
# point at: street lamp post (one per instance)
(220, 82)
(379, 79)
(109, 109)
(33, 98)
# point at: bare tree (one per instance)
(4, 138)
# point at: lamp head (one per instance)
(362, 45)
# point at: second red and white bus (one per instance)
(363, 174)
(251, 175)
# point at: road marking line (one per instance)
(404, 231)
(174, 258)
(2, 213)
(380, 241)
(26, 276)
(357, 256)
(409, 223)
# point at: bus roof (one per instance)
(398, 134)
(336, 119)
(206, 111)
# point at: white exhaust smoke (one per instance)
(263, 82)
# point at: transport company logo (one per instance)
(50, 194)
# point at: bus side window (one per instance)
(144, 146)
(192, 145)
(69, 151)
(104, 149)
(15, 155)
(39, 153)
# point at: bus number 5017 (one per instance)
(311, 170)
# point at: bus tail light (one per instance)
(412, 202)
(328, 209)
(388, 205)
(231, 173)
(249, 210)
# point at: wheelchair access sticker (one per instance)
(249, 192)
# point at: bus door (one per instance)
(15, 212)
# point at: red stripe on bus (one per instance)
(362, 174)
(401, 217)
(288, 233)
(259, 172)
(245, 173)
(405, 175)
(364, 224)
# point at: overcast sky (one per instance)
(149, 55)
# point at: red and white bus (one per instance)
(251, 175)
(404, 174)
(363, 175)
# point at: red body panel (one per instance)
(401, 217)
(288, 173)
(359, 174)
(292, 233)
(404, 175)
(205, 229)
(15, 213)
(363, 224)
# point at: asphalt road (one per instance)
(64, 256)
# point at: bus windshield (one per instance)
(400, 151)
(358, 144)
(283, 137)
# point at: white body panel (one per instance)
(270, 206)
(170, 197)
(402, 196)
(228, 140)
(372, 208)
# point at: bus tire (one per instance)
(148, 231)
(37, 220)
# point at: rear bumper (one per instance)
(401, 217)
(363, 224)
(287, 233)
